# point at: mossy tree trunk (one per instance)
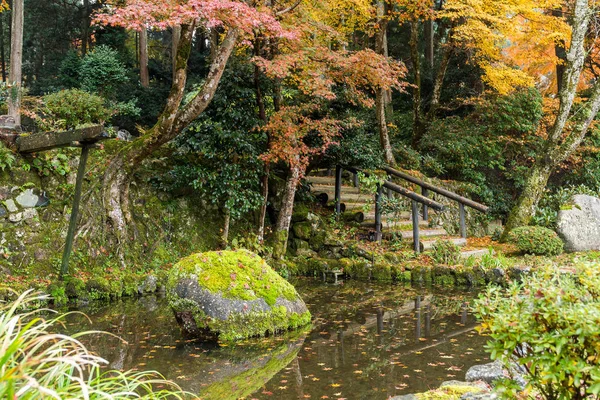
(560, 143)
(172, 121)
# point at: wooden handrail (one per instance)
(438, 190)
(405, 192)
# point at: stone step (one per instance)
(391, 224)
(428, 244)
(321, 180)
(357, 206)
(425, 233)
(331, 189)
(477, 253)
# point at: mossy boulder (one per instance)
(303, 230)
(232, 295)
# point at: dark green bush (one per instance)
(536, 240)
(550, 326)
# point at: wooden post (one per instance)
(425, 193)
(415, 223)
(64, 269)
(378, 233)
(338, 189)
(355, 180)
(463, 226)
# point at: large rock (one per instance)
(486, 372)
(232, 295)
(30, 198)
(579, 226)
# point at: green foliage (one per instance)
(38, 362)
(47, 163)
(7, 158)
(102, 72)
(490, 148)
(550, 325)
(536, 240)
(445, 252)
(219, 155)
(547, 209)
(70, 108)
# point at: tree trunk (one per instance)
(176, 37)
(429, 48)
(170, 123)
(438, 83)
(418, 130)
(85, 35)
(226, 224)
(144, 75)
(262, 115)
(16, 61)
(383, 97)
(284, 218)
(2, 48)
(524, 210)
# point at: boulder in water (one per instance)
(232, 295)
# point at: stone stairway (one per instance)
(398, 225)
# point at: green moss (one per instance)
(382, 272)
(450, 392)
(443, 276)
(237, 274)
(421, 274)
(302, 230)
(300, 213)
(317, 241)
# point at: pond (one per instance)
(368, 341)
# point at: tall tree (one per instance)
(16, 61)
(383, 96)
(576, 112)
(143, 45)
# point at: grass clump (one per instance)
(38, 363)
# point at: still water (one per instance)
(368, 341)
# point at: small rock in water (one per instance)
(485, 372)
(149, 285)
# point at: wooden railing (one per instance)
(415, 198)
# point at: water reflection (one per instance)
(368, 341)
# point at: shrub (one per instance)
(36, 363)
(550, 326)
(69, 108)
(445, 252)
(102, 72)
(536, 240)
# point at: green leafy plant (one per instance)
(536, 240)
(549, 325)
(75, 107)
(445, 252)
(7, 158)
(37, 363)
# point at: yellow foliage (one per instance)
(510, 39)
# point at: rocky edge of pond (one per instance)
(478, 384)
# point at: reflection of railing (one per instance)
(415, 198)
